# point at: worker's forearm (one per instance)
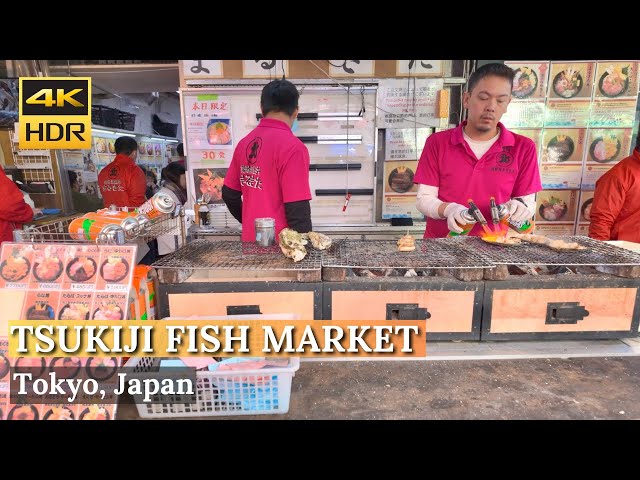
(233, 200)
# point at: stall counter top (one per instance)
(362, 231)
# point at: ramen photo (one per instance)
(605, 149)
(525, 82)
(614, 81)
(108, 311)
(14, 268)
(94, 412)
(4, 366)
(35, 366)
(58, 413)
(66, 367)
(568, 83)
(23, 412)
(553, 209)
(41, 311)
(585, 210)
(401, 179)
(560, 148)
(101, 368)
(47, 269)
(114, 269)
(74, 311)
(218, 132)
(81, 269)
(101, 145)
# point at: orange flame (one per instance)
(500, 230)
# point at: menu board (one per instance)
(584, 210)
(554, 228)
(591, 174)
(561, 176)
(530, 80)
(209, 127)
(571, 80)
(608, 145)
(616, 79)
(46, 271)
(401, 154)
(563, 145)
(63, 282)
(556, 205)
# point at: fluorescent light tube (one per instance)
(99, 130)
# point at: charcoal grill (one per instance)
(231, 255)
(597, 253)
(230, 277)
(583, 303)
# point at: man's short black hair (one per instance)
(125, 145)
(180, 149)
(490, 70)
(172, 172)
(279, 96)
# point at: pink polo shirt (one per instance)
(508, 169)
(270, 166)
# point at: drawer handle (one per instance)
(565, 313)
(406, 311)
(243, 310)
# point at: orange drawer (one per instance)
(185, 299)
(452, 308)
(566, 307)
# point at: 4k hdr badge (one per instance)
(55, 112)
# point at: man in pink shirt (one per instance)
(269, 172)
(477, 160)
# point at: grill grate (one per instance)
(377, 254)
(597, 253)
(232, 255)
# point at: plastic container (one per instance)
(222, 393)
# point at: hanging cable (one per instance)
(347, 194)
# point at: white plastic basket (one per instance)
(220, 393)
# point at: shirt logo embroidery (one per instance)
(113, 172)
(253, 150)
(504, 160)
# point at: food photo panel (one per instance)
(556, 205)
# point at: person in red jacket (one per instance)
(615, 211)
(14, 211)
(122, 182)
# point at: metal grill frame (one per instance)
(204, 254)
(598, 253)
(431, 253)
